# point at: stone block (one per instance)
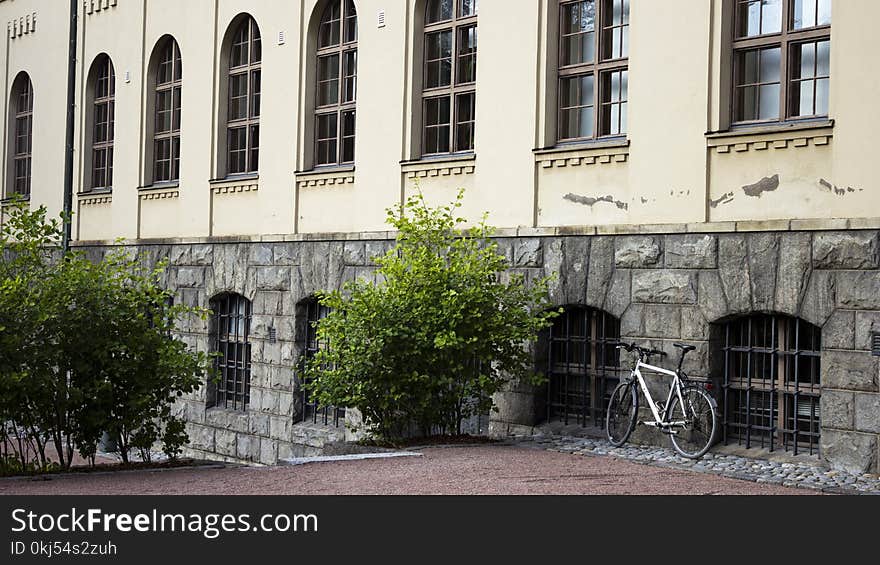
(601, 270)
(637, 252)
(619, 295)
(260, 254)
(269, 303)
(763, 251)
(867, 411)
(858, 290)
(839, 330)
(846, 250)
(849, 370)
(354, 253)
(225, 442)
(259, 424)
(285, 403)
(200, 437)
(528, 252)
(662, 321)
(820, 298)
(693, 324)
(837, 409)
(516, 408)
(866, 323)
(691, 251)
(710, 294)
(190, 277)
(248, 447)
(733, 268)
(793, 272)
(280, 427)
(849, 451)
(268, 452)
(632, 323)
(285, 254)
(273, 278)
(664, 287)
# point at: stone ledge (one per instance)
(815, 225)
(767, 137)
(329, 177)
(235, 185)
(585, 154)
(159, 192)
(452, 165)
(89, 199)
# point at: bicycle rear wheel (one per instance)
(696, 436)
(623, 408)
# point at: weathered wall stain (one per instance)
(828, 187)
(725, 199)
(592, 201)
(766, 184)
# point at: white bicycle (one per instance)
(689, 416)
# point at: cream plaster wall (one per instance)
(669, 170)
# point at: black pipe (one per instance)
(71, 108)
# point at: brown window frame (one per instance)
(231, 334)
(601, 69)
(455, 92)
(104, 71)
(343, 108)
(250, 123)
(786, 41)
(171, 136)
(22, 136)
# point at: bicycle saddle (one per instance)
(684, 347)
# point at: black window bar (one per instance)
(772, 383)
(312, 411)
(232, 314)
(583, 366)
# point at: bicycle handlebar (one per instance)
(641, 350)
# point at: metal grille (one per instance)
(772, 383)
(583, 367)
(312, 411)
(233, 324)
(875, 344)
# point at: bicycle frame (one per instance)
(674, 390)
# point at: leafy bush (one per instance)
(85, 347)
(441, 334)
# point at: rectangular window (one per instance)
(437, 124)
(327, 135)
(465, 111)
(438, 59)
(781, 60)
(593, 77)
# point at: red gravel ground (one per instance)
(455, 470)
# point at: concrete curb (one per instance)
(334, 458)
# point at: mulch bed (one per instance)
(115, 468)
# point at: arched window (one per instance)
(335, 98)
(582, 365)
(168, 81)
(771, 382)
(231, 336)
(309, 313)
(243, 99)
(593, 69)
(103, 113)
(22, 104)
(449, 83)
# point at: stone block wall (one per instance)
(663, 288)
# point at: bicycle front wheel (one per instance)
(696, 420)
(620, 418)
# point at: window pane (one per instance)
(464, 127)
(438, 11)
(759, 17)
(351, 30)
(348, 136)
(578, 33)
(468, 8)
(255, 94)
(823, 58)
(254, 159)
(768, 100)
(811, 13)
(350, 72)
(822, 97)
(438, 58)
(328, 34)
(467, 55)
(238, 94)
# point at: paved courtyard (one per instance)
(521, 468)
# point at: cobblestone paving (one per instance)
(790, 474)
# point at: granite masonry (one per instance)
(662, 287)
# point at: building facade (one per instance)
(693, 170)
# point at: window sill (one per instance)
(235, 183)
(323, 176)
(95, 197)
(778, 136)
(10, 199)
(600, 151)
(440, 165)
